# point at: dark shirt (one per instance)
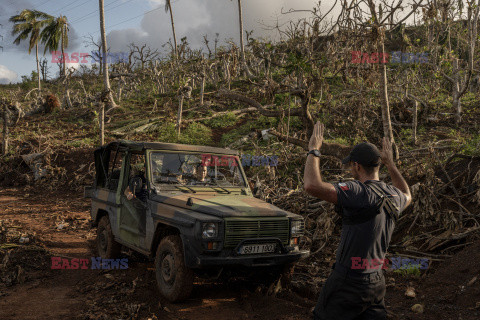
(367, 240)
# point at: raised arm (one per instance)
(397, 178)
(312, 179)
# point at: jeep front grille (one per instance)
(239, 229)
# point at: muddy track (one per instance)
(109, 294)
(59, 223)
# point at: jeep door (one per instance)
(134, 211)
(105, 198)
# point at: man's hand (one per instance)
(316, 139)
(387, 154)
(397, 180)
(128, 194)
(312, 178)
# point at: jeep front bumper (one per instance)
(257, 260)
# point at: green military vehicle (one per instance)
(190, 208)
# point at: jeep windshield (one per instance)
(171, 170)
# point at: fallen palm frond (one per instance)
(139, 126)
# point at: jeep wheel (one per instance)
(174, 279)
(107, 247)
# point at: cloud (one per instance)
(7, 76)
(194, 19)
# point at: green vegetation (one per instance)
(86, 142)
(195, 133)
(471, 146)
(410, 269)
(226, 120)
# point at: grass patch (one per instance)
(195, 133)
(226, 120)
(85, 142)
(471, 146)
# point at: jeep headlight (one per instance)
(296, 228)
(209, 230)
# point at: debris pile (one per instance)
(20, 257)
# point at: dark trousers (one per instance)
(347, 297)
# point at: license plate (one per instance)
(257, 248)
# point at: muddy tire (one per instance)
(174, 279)
(107, 247)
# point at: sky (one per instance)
(141, 22)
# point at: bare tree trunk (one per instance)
(415, 122)
(387, 123)
(155, 105)
(64, 69)
(5, 131)
(67, 100)
(173, 29)
(38, 70)
(242, 47)
(202, 88)
(179, 115)
(101, 122)
(240, 21)
(106, 79)
(457, 105)
(459, 89)
(227, 72)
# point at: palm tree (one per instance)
(55, 34)
(240, 21)
(30, 23)
(168, 8)
(106, 81)
(245, 68)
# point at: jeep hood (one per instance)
(223, 206)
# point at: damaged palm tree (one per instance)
(5, 130)
(185, 92)
(103, 99)
(106, 81)
(245, 68)
(11, 114)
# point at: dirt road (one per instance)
(60, 224)
(57, 225)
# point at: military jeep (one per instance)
(188, 207)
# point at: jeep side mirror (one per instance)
(136, 184)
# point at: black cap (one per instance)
(364, 153)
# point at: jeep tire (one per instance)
(107, 247)
(174, 279)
